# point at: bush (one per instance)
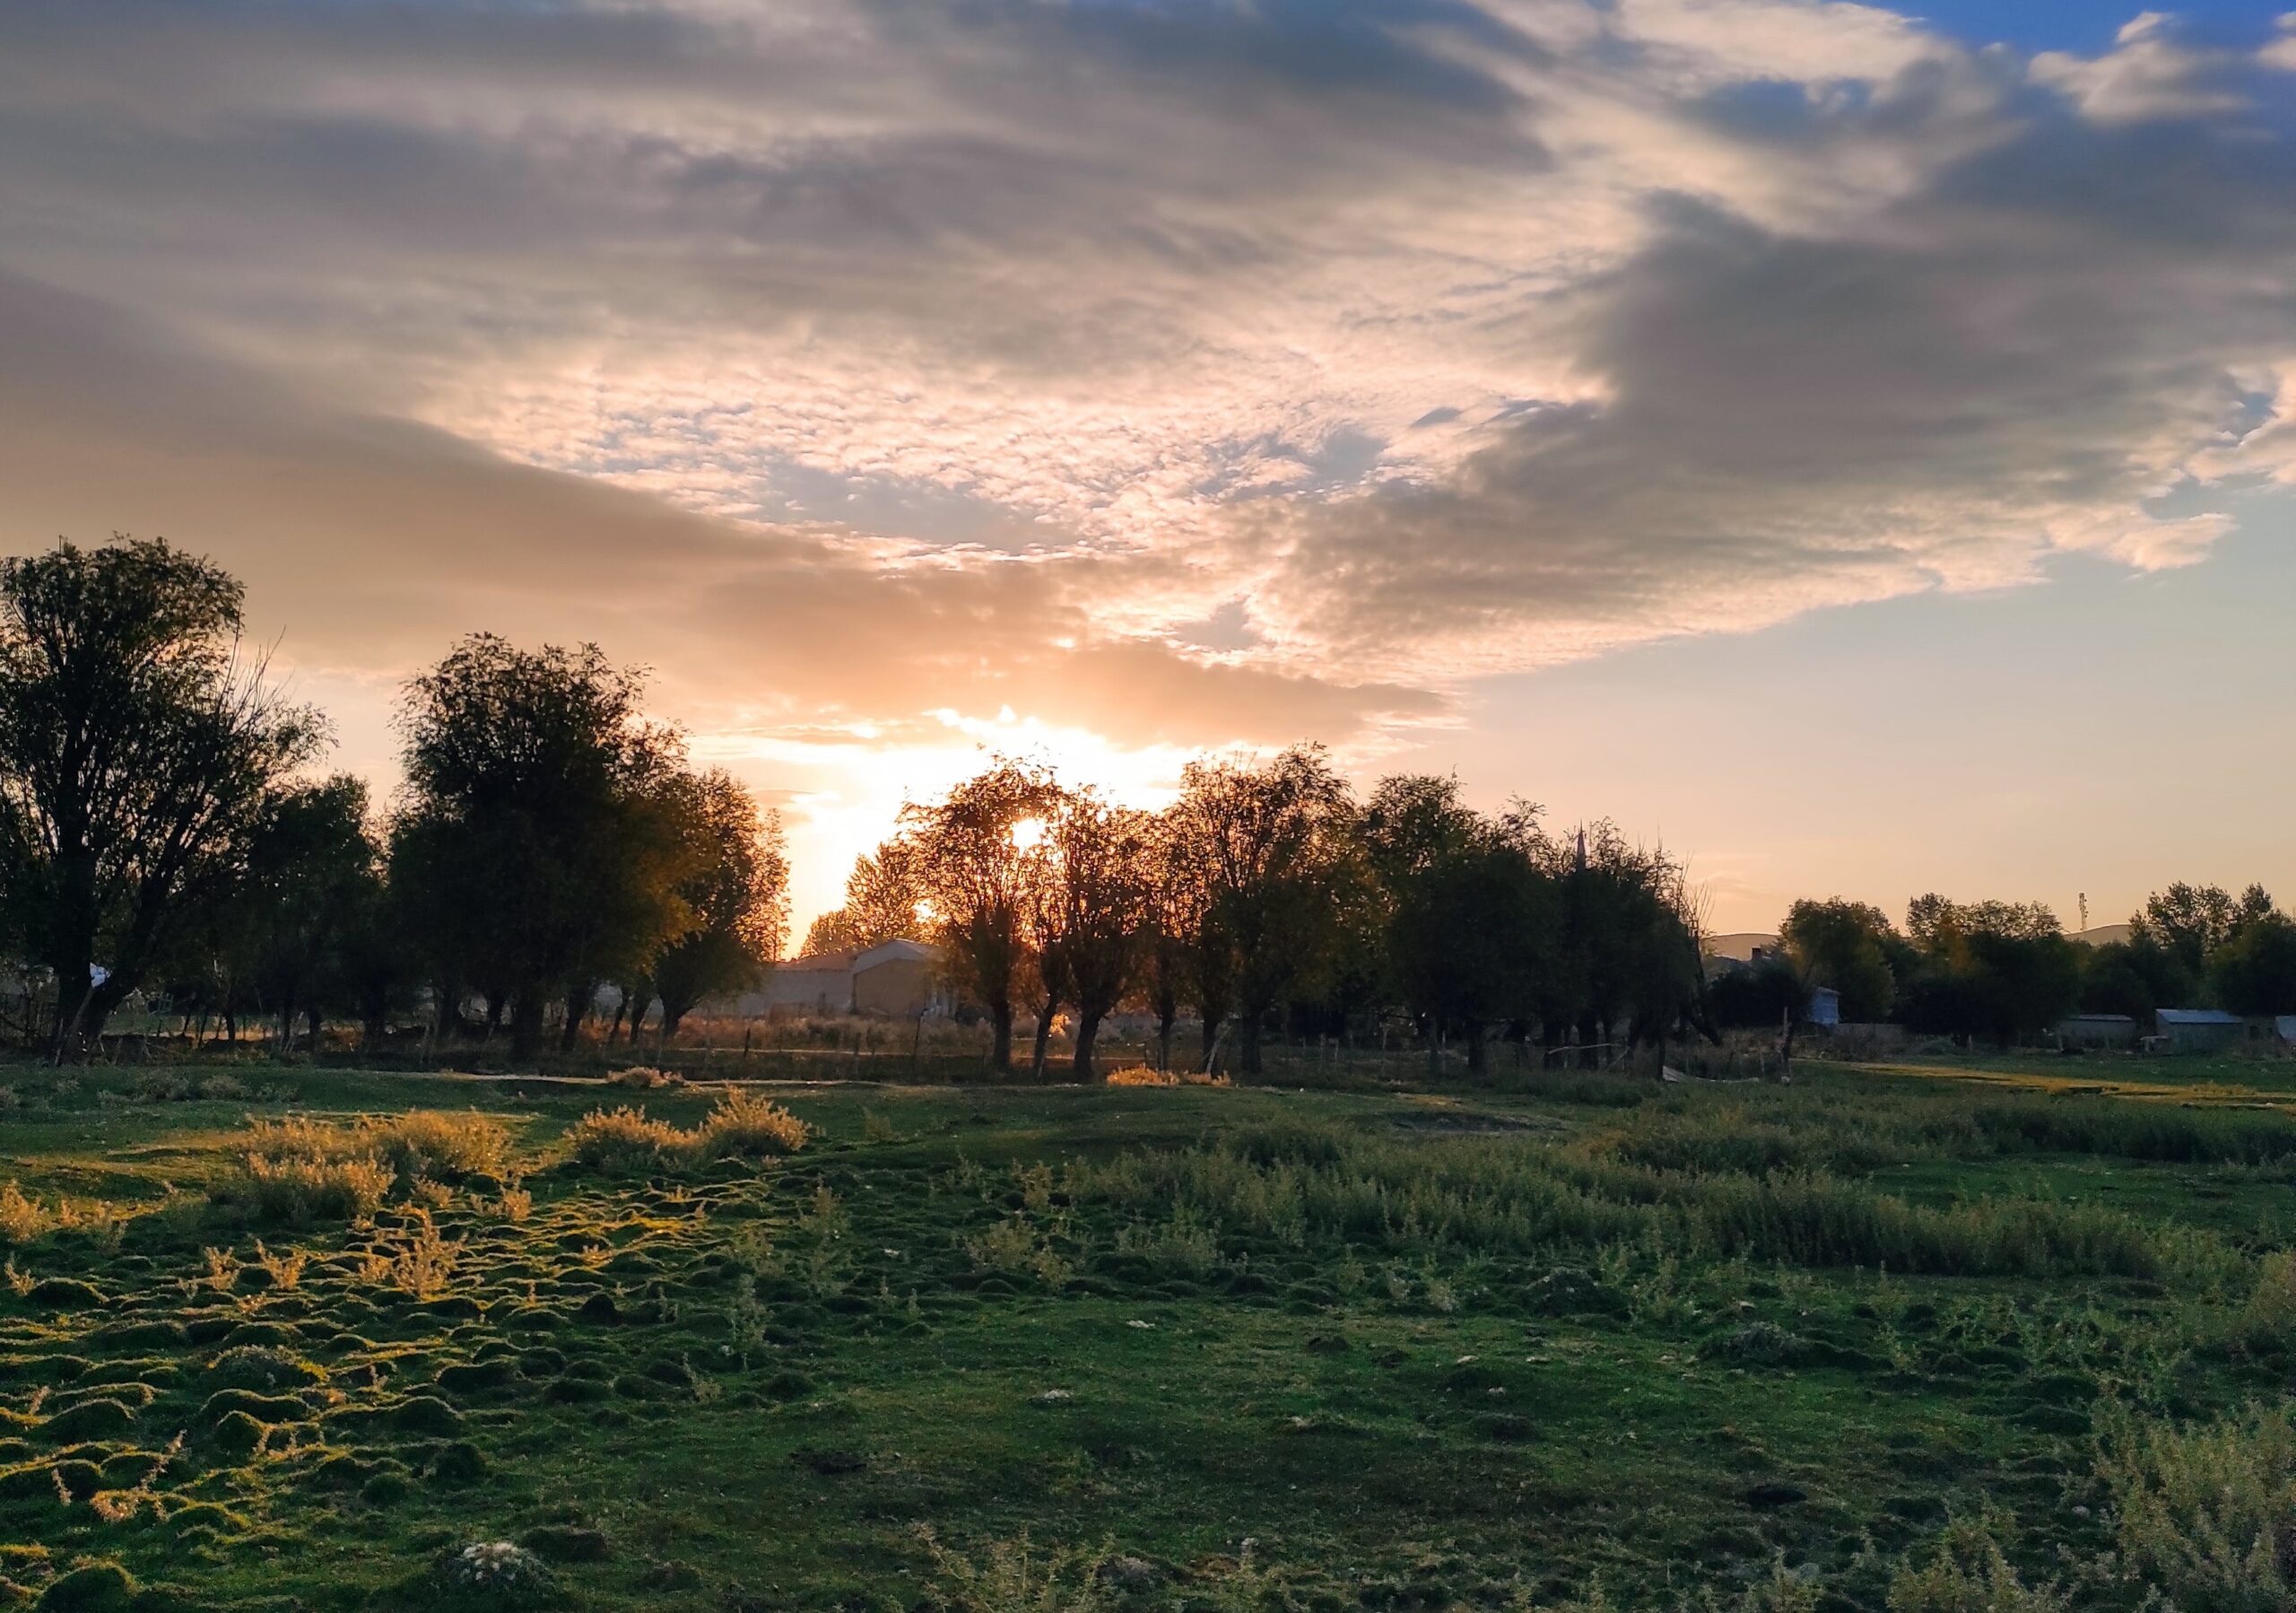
(299, 1189)
(624, 1139)
(433, 1143)
(744, 1123)
(2207, 1514)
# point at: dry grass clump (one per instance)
(744, 1123)
(1143, 1074)
(623, 1139)
(740, 1124)
(431, 1143)
(644, 1077)
(25, 1217)
(301, 1188)
(298, 1168)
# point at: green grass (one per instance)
(1876, 1341)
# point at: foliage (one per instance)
(138, 757)
(736, 895)
(1850, 946)
(541, 843)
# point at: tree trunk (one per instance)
(287, 1028)
(1043, 1035)
(496, 1002)
(1478, 1052)
(1249, 1053)
(1088, 1032)
(637, 1007)
(671, 1017)
(526, 1026)
(1000, 1037)
(1213, 1020)
(578, 999)
(1167, 1011)
(1434, 1047)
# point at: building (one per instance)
(2200, 1030)
(1825, 1008)
(2096, 1031)
(894, 979)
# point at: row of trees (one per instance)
(2003, 971)
(1267, 895)
(158, 828)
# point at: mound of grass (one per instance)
(739, 1124)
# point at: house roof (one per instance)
(2198, 1016)
(888, 952)
(2098, 1019)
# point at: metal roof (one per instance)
(2198, 1016)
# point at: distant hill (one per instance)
(1740, 946)
(2101, 934)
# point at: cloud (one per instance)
(849, 360)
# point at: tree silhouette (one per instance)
(138, 752)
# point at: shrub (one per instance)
(436, 1144)
(2206, 1514)
(1968, 1573)
(299, 1189)
(22, 1218)
(624, 1139)
(744, 1123)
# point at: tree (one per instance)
(311, 866)
(973, 878)
(1172, 932)
(1629, 957)
(1772, 994)
(834, 930)
(1097, 871)
(137, 755)
(737, 897)
(2255, 972)
(883, 896)
(1271, 838)
(1992, 968)
(2191, 923)
(1847, 945)
(541, 826)
(1468, 916)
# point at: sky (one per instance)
(1856, 448)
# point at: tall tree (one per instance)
(2255, 971)
(1096, 879)
(2190, 922)
(1469, 917)
(1271, 838)
(972, 875)
(137, 754)
(1994, 968)
(540, 804)
(737, 896)
(311, 866)
(1847, 945)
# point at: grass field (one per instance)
(1930, 1341)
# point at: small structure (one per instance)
(892, 980)
(2200, 1030)
(2097, 1031)
(2283, 1030)
(1825, 1008)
